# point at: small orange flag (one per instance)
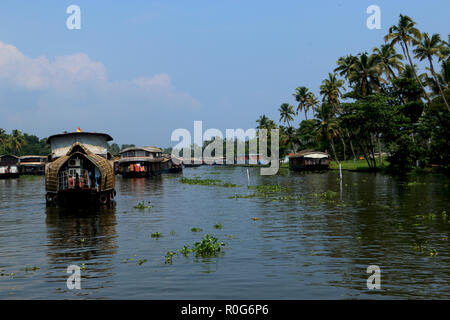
(78, 129)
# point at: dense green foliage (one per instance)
(388, 108)
(20, 144)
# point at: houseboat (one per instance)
(309, 160)
(192, 162)
(171, 165)
(9, 166)
(251, 158)
(32, 165)
(138, 162)
(79, 171)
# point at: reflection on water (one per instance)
(313, 240)
(81, 236)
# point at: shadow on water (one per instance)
(85, 237)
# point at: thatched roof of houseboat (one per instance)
(148, 149)
(8, 160)
(32, 156)
(309, 154)
(107, 136)
(106, 170)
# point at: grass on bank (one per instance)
(358, 165)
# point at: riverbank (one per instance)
(349, 165)
(359, 165)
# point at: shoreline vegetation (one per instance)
(373, 103)
(377, 102)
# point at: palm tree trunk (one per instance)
(379, 151)
(437, 81)
(334, 151)
(351, 146)
(415, 74)
(343, 145)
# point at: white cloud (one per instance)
(73, 90)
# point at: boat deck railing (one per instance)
(68, 180)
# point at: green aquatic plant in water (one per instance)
(156, 235)
(238, 196)
(209, 246)
(430, 216)
(169, 257)
(415, 183)
(141, 205)
(269, 188)
(218, 226)
(30, 268)
(327, 195)
(185, 250)
(196, 230)
(206, 182)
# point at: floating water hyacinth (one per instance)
(207, 182)
(208, 246)
(141, 205)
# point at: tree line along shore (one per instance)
(378, 103)
(374, 110)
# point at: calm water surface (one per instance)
(304, 245)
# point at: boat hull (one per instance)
(80, 197)
(9, 175)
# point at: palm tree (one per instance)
(443, 78)
(344, 65)
(329, 129)
(286, 113)
(365, 73)
(312, 102)
(16, 141)
(331, 90)
(445, 49)
(288, 138)
(301, 96)
(265, 123)
(426, 49)
(388, 60)
(405, 33)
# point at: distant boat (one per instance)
(79, 171)
(135, 162)
(170, 166)
(309, 160)
(32, 165)
(9, 166)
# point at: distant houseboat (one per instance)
(252, 158)
(171, 166)
(309, 160)
(140, 162)
(79, 171)
(9, 166)
(32, 165)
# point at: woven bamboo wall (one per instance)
(106, 170)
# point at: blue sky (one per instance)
(140, 69)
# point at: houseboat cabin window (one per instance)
(140, 153)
